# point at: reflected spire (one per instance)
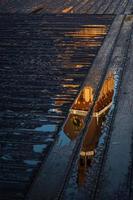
(101, 109)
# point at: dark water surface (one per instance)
(44, 60)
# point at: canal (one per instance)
(44, 62)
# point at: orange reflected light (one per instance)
(68, 10)
(87, 32)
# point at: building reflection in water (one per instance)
(76, 119)
(91, 139)
(78, 112)
(79, 49)
(88, 31)
(80, 45)
(68, 9)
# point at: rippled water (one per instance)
(44, 61)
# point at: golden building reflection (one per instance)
(77, 44)
(78, 112)
(84, 100)
(88, 31)
(94, 128)
(68, 9)
(74, 125)
(76, 119)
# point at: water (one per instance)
(44, 61)
(93, 137)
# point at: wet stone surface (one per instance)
(44, 60)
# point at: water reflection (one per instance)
(78, 112)
(94, 128)
(75, 121)
(88, 31)
(68, 10)
(80, 45)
